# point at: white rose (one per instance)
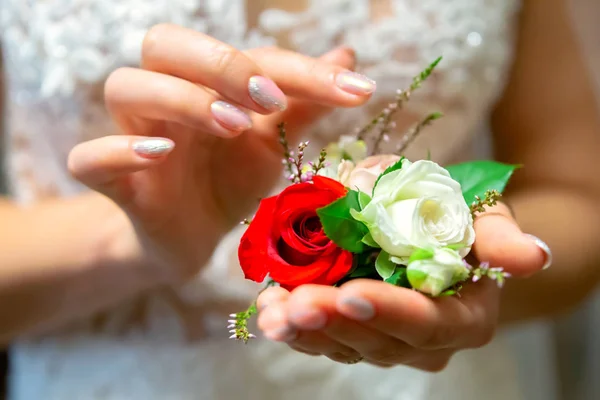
(418, 207)
(366, 172)
(433, 275)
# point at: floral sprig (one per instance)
(496, 274)
(287, 153)
(238, 324)
(384, 118)
(320, 164)
(296, 171)
(411, 135)
(490, 199)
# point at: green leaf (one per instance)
(385, 268)
(362, 272)
(447, 293)
(420, 254)
(391, 168)
(369, 241)
(476, 177)
(363, 199)
(451, 291)
(340, 227)
(399, 278)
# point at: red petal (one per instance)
(254, 245)
(342, 265)
(326, 270)
(293, 275)
(325, 183)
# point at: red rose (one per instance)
(286, 240)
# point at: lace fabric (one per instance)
(58, 52)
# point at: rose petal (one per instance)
(326, 270)
(252, 252)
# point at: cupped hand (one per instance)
(200, 143)
(387, 325)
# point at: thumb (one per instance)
(104, 164)
(500, 241)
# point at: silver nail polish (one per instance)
(355, 83)
(356, 308)
(153, 147)
(542, 245)
(308, 319)
(230, 116)
(266, 94)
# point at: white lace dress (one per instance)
(171, 344)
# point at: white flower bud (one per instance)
(434, 274)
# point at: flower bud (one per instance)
(436, 271)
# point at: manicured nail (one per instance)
(356, 308)
(155, 147)
(281, 334)
(308, 318)
(266, 94)
(545, 248)
(355, 83)
(230, 116)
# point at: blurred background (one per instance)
(574, 337)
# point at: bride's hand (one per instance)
(200, 141)
(388, 325)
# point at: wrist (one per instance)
(114, 244)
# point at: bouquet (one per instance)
(354, 213)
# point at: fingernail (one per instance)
(355, 83)
(356, 308)
(266, 94)
(230, 116)
(545, 248)
(154, 147)
(281, 334)
(308, 318)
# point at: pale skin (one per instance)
(157, 219)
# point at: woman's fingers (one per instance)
(315, 79)
(101, 163)
(500, 241)
(201, 59)
(420, 321)
(252, 79)
(271, 295)
(293, 321)
(303, 113)
(149, 95)
(342, 56)
(313, 307)
(276, 327)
